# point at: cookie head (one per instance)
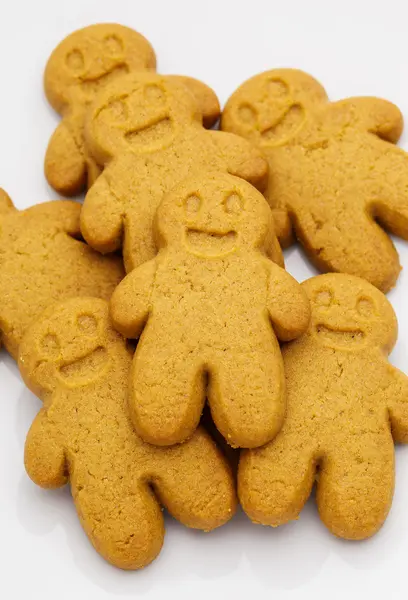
(271, 108)
(349, 313)
(213, 216)
(68, 347)
(140, 113)
(90, 58)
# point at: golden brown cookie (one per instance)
(211, 307)
(347, 405)
(79, 366)
(41, 262)
(147, 129)
(333, 167)
(79, 67)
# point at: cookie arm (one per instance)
(288, 305)
(44, 455)
(64, 214)
(65, 165)
(243, 159)
(102, 217)
(130, 303)
(376, 115)
(397, 395)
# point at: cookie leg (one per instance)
(195, 483)
(356, 485)
(125, 526)
(139, 245)
(349, 242)
(275, 481)
(246, 394)
(167, 391)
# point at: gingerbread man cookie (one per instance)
(335, 175)
(41, 262)
(147, 129)
(78, 365)
(346, 406)
(211, 307)
(79, 67)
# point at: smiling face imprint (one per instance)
(211, 225)
(142, 114)
(348, 313)
(213, 216)
(75, 354)
(89, 59)
(272, 108)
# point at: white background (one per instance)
(353, 48)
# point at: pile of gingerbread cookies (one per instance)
(206, 318)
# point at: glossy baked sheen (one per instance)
(211, 307)
(41, 262)
(85, 62)
(78, 365)
(346, 406)
(147, 130)
(335, 172)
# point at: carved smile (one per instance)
(86, 369)
(340, 337)
(153, 132)
(91, 85)
(210, 243)
(286, 127)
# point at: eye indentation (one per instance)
(365, 307)
(113, 45)
(233, 203)
(50, 345)
(87, 323)
(118, 110)
(247, 114)
(192, 204)
(324, 297)
(154, 93)
(277, 88)
(75, 60)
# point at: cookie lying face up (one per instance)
(148, 130)
(41, 262)
(211, 307)
(347, 405)
(79, 366)
(334, 170)
(81, 65)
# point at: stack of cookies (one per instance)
(177, 248)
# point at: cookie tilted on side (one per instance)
(80, 66)
(79, 366)
(41, 262)
(147, 130)
(211, 306)
(347, 405)
(336, 176)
